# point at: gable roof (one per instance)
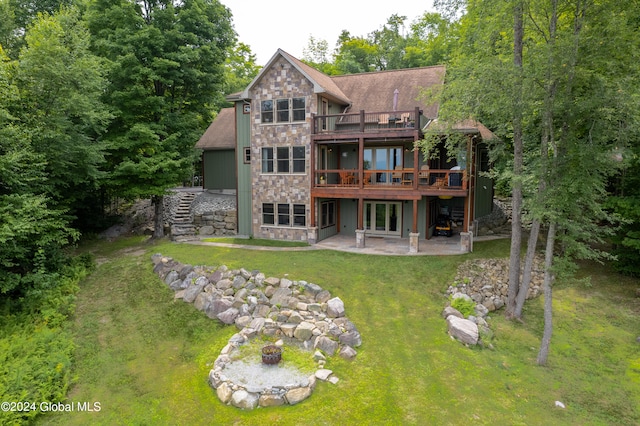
(322, 83)
(221, 133)
(374, 91)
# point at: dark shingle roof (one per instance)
(375, 91)
(221, 133)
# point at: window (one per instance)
(298, 109)
(283, 159)
(299, 215)
(247, 156)
(298, 159)
(327, 214)
(286, 110)
(288, 159)
(283, 110)
(267, 160)
(282, 214)
(268, 216)
(266, 111)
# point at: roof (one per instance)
(221, 133)
(465, 126)
(374, 91)
(322, 83)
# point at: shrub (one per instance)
(465, 306)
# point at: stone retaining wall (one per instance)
(275, 307)
(219, 222)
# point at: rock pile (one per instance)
(471, 330)
(486, 281)
(256, 304)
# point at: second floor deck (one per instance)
(385, 122)
(396, 183)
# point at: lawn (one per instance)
(145, 357)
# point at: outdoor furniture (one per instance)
(347, 178)
(407, 177)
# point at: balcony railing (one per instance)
(396, 179)
(366, 122)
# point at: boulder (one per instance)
(281, 297)
(347, 352)
(335, 308)
(229, 316)
(297, 395)
(218, 306)
(224, 392)
(245, 400)
(464, 330)
(450, 310)
(203, 300)
(271, 400)
(351, 338)
(304, 331)
(326, 345)
(191, 292)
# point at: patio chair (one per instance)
(347, 178)
(423, 174)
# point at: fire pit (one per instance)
(271, 354)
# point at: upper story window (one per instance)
(266, 110)
(285, 110)
(284, 159)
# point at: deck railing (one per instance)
(366, 121)
(396, 178)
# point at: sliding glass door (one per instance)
(383, 218)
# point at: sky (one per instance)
(287, 24)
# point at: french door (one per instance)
(383, 218)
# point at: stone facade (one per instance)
(280, 82)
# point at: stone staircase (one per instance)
(182, 228)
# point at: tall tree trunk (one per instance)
(549, 277)
(158, 220)
(528, 268)
(516, 193)
(547, 138)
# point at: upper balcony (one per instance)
(400, 123)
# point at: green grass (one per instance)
(257, 242)
(146, 357)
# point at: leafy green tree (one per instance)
(60, 84)
(32, 233)
(167, 68)
(559, 109)
(240, 68)
(431, 41)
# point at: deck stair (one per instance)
(182, 227)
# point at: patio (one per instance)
(393, 246)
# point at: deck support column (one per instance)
(360, 238)
(413, 242)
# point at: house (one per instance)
(318, 155)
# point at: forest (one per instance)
(103, 100)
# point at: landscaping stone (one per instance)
(462, 329)
(335, 308)
(270, 306)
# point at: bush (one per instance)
(465, 306)
(36, 349)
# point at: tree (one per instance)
(240, 68)
(564, 106)
(60, 84)
(32, 233)
(167, 72)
